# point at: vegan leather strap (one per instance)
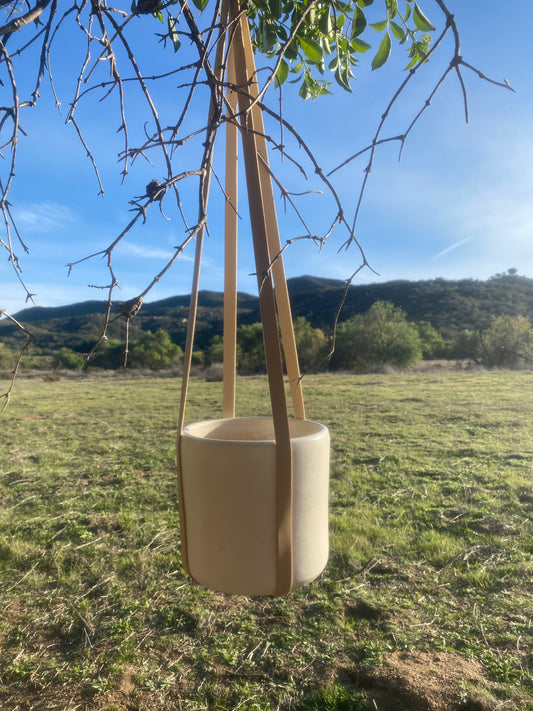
(245, 72)
(254, 120)
(230, 249)
(193, 308)
(270, 271)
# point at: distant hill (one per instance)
(450, 306)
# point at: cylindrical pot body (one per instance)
(228, 486)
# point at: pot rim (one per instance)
(318, 431)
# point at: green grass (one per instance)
(431, 549)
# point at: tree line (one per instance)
(382, 336)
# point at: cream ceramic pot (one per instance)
(228, 487)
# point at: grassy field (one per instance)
(426, 603)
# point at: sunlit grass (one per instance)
(431, 546)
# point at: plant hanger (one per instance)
(244, 116)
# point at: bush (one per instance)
(215, 351)
(507, 343)
(381, 336)
(7, 358)
(433, 344)
(250, 348)
(154, 351)
(67, 358)
(311, 344)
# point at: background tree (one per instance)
(153, 351)
(467, 345)
(507, 343)
(250, 349)
(67, 358)
(8, 357)
(215, 351)
(312, 344)
(381, 336)
(432, 343)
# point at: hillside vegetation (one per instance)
(437, 318)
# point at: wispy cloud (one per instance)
(452, 247)
(136, 250)
(43, 217)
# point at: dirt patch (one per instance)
(424, 681)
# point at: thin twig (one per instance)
(6, 396)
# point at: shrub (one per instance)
(508, 342)
(381, 336)
(67, 358)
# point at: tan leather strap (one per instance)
(269, 266)
(230, 251)
(193, 308)
(245, 68)
(278, 270)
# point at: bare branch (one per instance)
(20, 22)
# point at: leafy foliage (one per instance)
(7, 357)
(67, 358)
(311, 343)
(317, 40)
(508, 342)
(432, 343)
(381, 336)
(154, 351)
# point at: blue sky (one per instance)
(458, 204)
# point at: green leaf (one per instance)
(200, 4)
(291, 51)
(379, 26)
(358, 23)
(159, 16)
(312, 50)
(383, 52)
(421, 21)
(397, 31)
(281, 74)
(364, 3)
(359, 45)
(327, 48)
(270, 37)
(304, 92)
(407, 13)
(341, 75)
(133, 7)
(275, 8)
(325, 23)
(282, 33)
(171, 22)
(392, 8)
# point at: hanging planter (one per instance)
(253, 492)
(230, 499)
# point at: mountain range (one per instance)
(450, 306)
